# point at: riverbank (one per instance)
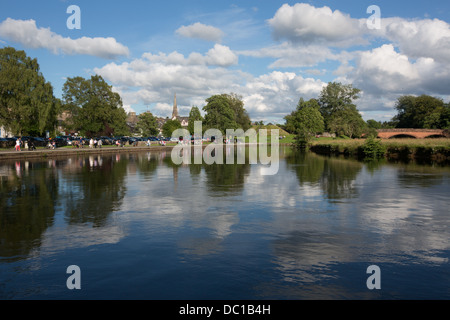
(427, 150)
(65, 151)
(11, 154)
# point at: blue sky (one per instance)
(272, 53)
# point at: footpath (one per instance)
(11, 154)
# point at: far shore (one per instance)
(11, 154)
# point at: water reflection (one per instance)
(94, 190)
(334, 175)
(305, 232)
(28, 195)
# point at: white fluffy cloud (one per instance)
(303, 23)
(201, 31)
(384, 70)
(29, 35)
(154, 78)
(292, 55)
(420, 38)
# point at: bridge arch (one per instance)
(411, 133)
(402, 136)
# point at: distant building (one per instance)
(132, 121)
(61, 122)
(160, 121)
(175, 116)
(4, 133)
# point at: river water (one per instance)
(139, 227)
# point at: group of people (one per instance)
(94, 143)
(51, 144)
(27, 145)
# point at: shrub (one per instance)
(373, 148)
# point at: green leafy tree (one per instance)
(336, 97)
(241, 116)
(219, 114)
(445, 117)
(96, 110)
(339, 111)
(347, 122)
(147, 124)
(194, 115)
(420, 112)
(27, 104)
(306, 121)
(169, 127)
(374, 124)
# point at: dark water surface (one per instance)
(140, 227)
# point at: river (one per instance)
(139, 227)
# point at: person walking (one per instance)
(99, 143)
(18, 145)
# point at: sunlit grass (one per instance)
(397, 143)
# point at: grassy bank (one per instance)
(403, 149)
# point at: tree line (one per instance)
(29, 107)
(335, 111)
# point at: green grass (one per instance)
(403, 148)
(389, 143)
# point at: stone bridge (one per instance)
(413, 133)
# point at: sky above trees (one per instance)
(272, 53)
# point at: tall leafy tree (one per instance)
(219, 114)
(306, 121)
(194, 115)
(241, 116)
(339, 111)
(27, 104)
(420, 112)
(347, 122)
(147, 124)
(96, 110)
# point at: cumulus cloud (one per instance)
(292, 55)
(201, 31)
(154, 78)
(420, 38)
(221, 56)
(303, 23)
(274, 95)
(384, 70)
(29, 35)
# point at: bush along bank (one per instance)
(377, 149)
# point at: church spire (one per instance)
(175, 108)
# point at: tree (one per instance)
(241, 116)
(147, 124)
(96, 110)
(338, 110)
(170, 126)
(219, 114)
(373, 124)
(336, 97)
(306, 121)
(27, 104)
(347, 122)
(420, 112)
(194, 115)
